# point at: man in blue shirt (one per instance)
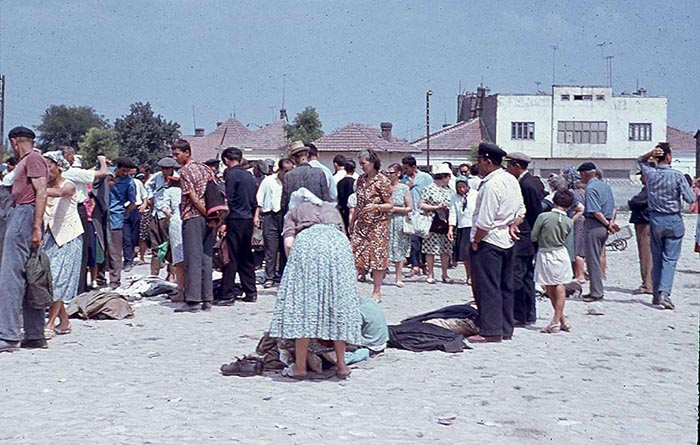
(122, 192)
(666, 187)
(598, 224)
(416, 181)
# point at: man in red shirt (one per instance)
(25, 223)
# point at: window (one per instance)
(583, 97)
(640, 132)
(582, 132)
(522, 130)
(564, 97)
(600, 97)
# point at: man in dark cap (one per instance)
(25, 223)
(599, 222)
(524, 297)
(499, 211)
(666, 189)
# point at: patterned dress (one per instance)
(370, 236)
(399, 242)
(436, 243)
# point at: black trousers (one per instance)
(87, 226)
(492, 278)
(272, 225)
(524, 297)
(239, 233)
(416, 257)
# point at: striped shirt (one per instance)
(666, 188)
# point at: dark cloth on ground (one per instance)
(419, 337)
(454, 311)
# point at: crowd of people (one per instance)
(322, 231)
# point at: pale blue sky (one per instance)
(355, 61)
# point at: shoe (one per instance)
(665, 302)
(551, 328)
(65, 331)
(655, 300)
(268, 284)
(9, 346)
(187, 307)
(565, 326)
(588, 298)
(507, 337)
(225, 302)
(243, 367)
(399, 284)
(206, 306)
(128, 267)
(484, 339)
(250, 298)
(34, 343)
(522, 324)
(430, 280)
(643, 290)
(448, 280)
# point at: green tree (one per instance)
(98, 141)
(66, 125)
(306, 126)
(144, 137)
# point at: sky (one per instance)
(354, 61)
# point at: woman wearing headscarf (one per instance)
(369, 226)
(63, 241)
(317, 296)
(435, 200)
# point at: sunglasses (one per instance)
(464, 172)
(391, 172)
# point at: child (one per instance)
(553, 266)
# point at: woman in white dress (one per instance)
(170, 205)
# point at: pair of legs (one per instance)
(398, 265)
(377, 277)
(557, 296)
(445, 263)
(180, 280)
(301, 346)
(579, 266)
(57, 310)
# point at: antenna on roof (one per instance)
(284, 88)
(460, 88)
(194, 119)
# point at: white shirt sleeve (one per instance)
(80, 175)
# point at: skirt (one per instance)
(436, 244)
(462, 244)
(553, 268)
(65, 266)
(317, 296)
(175, 240)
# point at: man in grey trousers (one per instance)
(598, 224)
(25, 230)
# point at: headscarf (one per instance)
(57, 157)
(303, 195)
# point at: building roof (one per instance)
(358, 137)
(233, 133)
(460, 136)
(680, 141)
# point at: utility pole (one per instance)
(609, 66)
(2, 113)
(427, 127)
(697, 154)
(554, 62)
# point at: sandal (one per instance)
(291, 372)
(566, 327)
(551, 328)
(448, 280)
(430, 280)
(65, 331)
(399, 284)
(343, 375)
(48, 333)
(361, 278)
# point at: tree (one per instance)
(66, 125)
(144, 137)
(98, 141)
(306, 126)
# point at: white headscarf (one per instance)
(303, 195)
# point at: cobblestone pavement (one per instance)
(628, 376)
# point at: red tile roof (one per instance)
(460, 136)
(681, 141)
(233, 133)
(358, 137)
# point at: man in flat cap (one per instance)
(666, 188)
(524, 297)
(25, 223)
(155, 189)
(303, 175)
(598, 223)
(499, 211)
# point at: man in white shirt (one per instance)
(499, 211)
(314, 162)
(155, 189)
(339, 165)
(82, 177)
(269, 198)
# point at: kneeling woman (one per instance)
(317, 297)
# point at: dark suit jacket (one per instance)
(533, 207)
(306, 176)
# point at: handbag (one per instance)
(418, 224)
(439, 223)
(221, 256)
(39, 280)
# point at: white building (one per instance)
(590, 124)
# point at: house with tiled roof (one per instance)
(683, 145)
(269, 141)
(351, 139)
(454, 143)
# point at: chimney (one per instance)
(386, 130)
(283, 114)
(199, 132)
(218, 124)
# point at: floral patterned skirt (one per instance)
(65, 266)
(370, 245)
(317, 297)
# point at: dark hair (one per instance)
(563, 198)
(11, 161)
(474, 170)
(340, 160)
(66, 148)
(350, 166)
(441, 175)
(124, 163)
(313, 151)
(449, 164)
(397, 167)
(232, 154)
(372, 157)
(146, 169)
(283, 161)
(464, 164)
(409, 160)
(182, 145)
(666, 147)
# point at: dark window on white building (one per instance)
(522, 130)
(565, 97)
(640, 132)
(582, 132)
(583, 97)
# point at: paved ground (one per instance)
(629, 376)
